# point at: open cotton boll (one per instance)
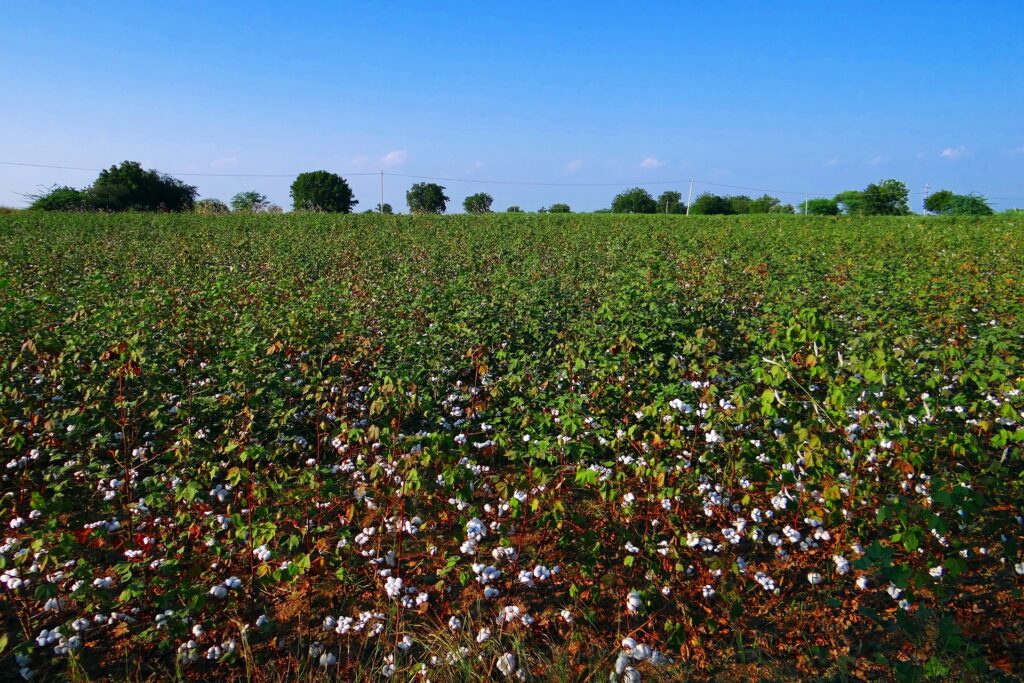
(634, 602)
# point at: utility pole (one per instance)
(382, 191)
(924, 202)
(807, 199)
(689, 197)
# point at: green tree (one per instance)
(782, 208)
(478, 203)
(850, 202)
(61, 198)
(711, 205)
(211, 207)
(886, 198)
(968, 205)
(426, 198)
(739, 203)
(385, 209)
(513, 209)
(671, 201)
(559, 208)
(250, 201)
(129, 187)
(635, 200)
(938, 201)
(322, 191)
(764, 204)
(820, 206)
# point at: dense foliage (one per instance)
(426, 198)
(474, 448)
(635, 200)
(124, 187)
(323, 192)
(478, 203)
(945, 202)
(250, 201)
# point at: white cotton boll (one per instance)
(631, 675)
(566, 616)
(842, 564)
(1019, 568)
(328, 659)
(219, 592)
(936, 572)
(814, 578)
(490, 593)
(708, 592)
(862, 582)
(506, 664)
(214, 652)
(621, 662)
(634, 602)
(454, 623)
(198, 630)
(483, 635)
(405, 644)
(262, 621)
(233, 583)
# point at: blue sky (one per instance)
(806, 97)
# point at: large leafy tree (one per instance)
(635, 200)
(671, 201)
(886, 198)
(820, 206)
(559, 208)
(250, 201)
(322, 191)
(426, 198)
(129, 187)
(712, 205)
(478, 203)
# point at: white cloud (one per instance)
(652, 162)
(830, 162)
(875, 161)
(1018, 151)
(953, 152)
(574, 165)
(475, 166)
(395, 158)
(226, 162)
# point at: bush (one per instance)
(560, 208)
(513, 209)
(211, 207)
(129, 187)
(62, 198)
(322, 191)
(250, 201)
(820, 206)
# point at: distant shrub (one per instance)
(559, 208)
(61, 198)
(250, 201)
(211, 207)
(478, 203)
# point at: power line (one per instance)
(174, 173)
(482, 181)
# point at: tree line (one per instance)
(129, 187)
